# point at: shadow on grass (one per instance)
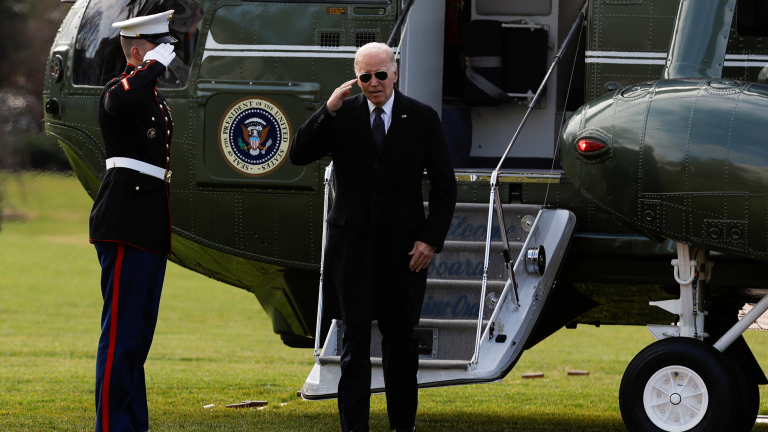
(290, 420)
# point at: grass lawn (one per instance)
(214, 345)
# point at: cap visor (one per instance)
(162, 40)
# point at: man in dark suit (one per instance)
(130, 223)
(379, 240)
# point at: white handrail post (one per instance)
(494, 191)
(509, 261)
(328, 190)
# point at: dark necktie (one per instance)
(378, 126)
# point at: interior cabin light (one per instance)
(586, 145)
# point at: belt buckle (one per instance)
(167, 176)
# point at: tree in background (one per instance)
(27, 31)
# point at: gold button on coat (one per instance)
(137, 188)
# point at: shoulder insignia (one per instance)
(126, 86)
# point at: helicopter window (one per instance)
(752, 18)
(98, 56)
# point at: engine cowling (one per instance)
(684, 159)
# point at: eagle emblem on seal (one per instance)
(255, 133)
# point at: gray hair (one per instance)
(376, 47)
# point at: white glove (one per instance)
(162, 53)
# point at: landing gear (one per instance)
(748, 399)
(683, 382)
(680, 384)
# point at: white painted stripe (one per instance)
(212, 53)
(625, 61)
(746, 57)
(745, 64)
(210, 43)
(626, 54)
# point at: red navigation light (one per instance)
(586, 145)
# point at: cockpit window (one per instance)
(98, 57)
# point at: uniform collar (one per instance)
(387, 106)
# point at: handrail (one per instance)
(487, 259)
(399, 23)
(328, 191)
(495, 201)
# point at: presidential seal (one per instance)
(254, 136)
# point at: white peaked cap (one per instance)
(151, 27)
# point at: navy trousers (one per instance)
(400, 359)
(131, 284)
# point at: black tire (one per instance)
(747, 397)
(713, 368)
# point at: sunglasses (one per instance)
(380, 75)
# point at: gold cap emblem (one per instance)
(170, 16)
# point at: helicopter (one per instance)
(641, 148)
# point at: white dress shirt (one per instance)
(386, 115)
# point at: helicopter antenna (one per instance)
(562, 119)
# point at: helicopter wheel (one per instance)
(748, 400)
(679, 384)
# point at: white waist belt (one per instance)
(142, 167)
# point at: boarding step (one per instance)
(457, 299)
(470, 221)
(423, 364)
(464, 260)
(442, 340)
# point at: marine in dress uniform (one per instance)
(379, 240)
(130, 223)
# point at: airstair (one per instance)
(480, 306)
(485, 292)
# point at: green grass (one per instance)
(214, 345)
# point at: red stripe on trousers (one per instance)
(112, 337)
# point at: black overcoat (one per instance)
(378, 211)
(136, 123)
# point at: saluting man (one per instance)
(379, 240)
(131, 221)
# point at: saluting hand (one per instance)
(422, 254)
(162, 53)
(338, 96)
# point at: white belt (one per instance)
(142, 167)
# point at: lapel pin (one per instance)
(405, 115)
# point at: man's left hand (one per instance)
(422, 254)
